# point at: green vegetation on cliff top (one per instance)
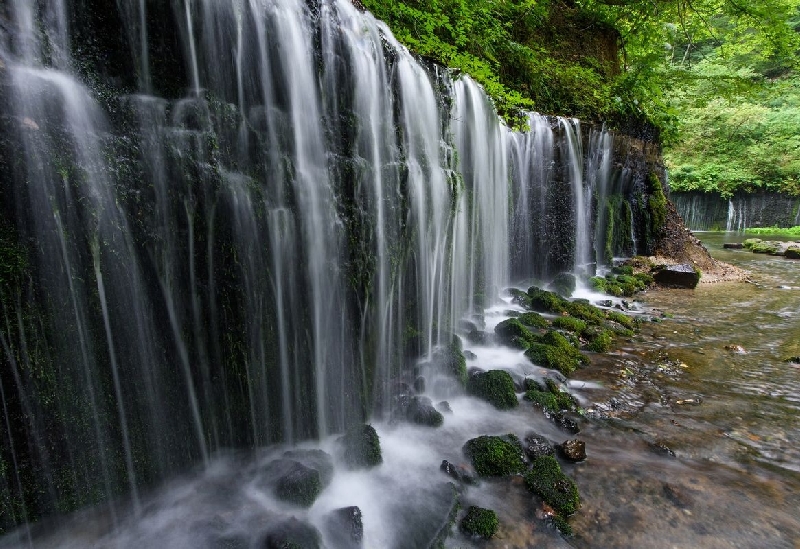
(717, 78)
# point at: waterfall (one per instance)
(256, 242)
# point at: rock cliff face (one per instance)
(708, 211)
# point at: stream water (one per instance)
(690, 426)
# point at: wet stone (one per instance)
(457, 472)
(536, 446)
(292, 533)
(345, 528)
(444, 407)
(573, 450)
(469, 355)
(679, 276)
(677, 496)
(565, 423)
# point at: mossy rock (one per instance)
(450, 359)
(362, 447)
(792, 252)
(599, 284)
(520, 298)
(479, 522)
(293, 534)
(495, 387)
(564, 284)
(644, 278)
(582, 309)
(534, 320)
(750, 242)
(570, 324)
(556, 352)
(622, 270)
(546, 302)
(551, 399)
(494, 456)
(301, 485)
(600, 340)
(514, 333)
(421, 411)
(622, 319)
(546, 479)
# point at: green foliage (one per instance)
(479, 522)
(546, 479)
(494, 456)
(495, 387)
(773, 231)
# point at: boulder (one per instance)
(457, 472)
(495, 387)
(564, 284)
(536, 446)
(792, 252)
(421, 516)
(420, 410)
(444, 407)
(361, 447)
(300, 476)
(494, 456)
(733, 245)
(678, 276)
(573, 450)
(546, 480)
(294, 534)
(479, 522)
(345, 528)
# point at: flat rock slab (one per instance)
(678, 276)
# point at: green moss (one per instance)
(546, 480)
(625, 270)
(479, 522)
(564, 284)
(599, 283)
(513, 333)
(494, 456)
(520, 298)
(546, 302)
(570, 324)
(495, 387)
(551, 399)
(534, 320)
(301, 486)
(645, 279)
(750, 242)
(581, 308)
(562, 525)
(621, 318)
(451, 360)
(600, 341)
(362, 447)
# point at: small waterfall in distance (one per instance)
(263, 255)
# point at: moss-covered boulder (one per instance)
(345, 528)
(551, 399)
(421, 411)
(513, 333)
(678, 276)
(546, 479)
(292, 534)
(450, 360)
(494, 456)
(301, 485)
(554, 351)
(546, 302)
(564, 284)
(599, 339)
(570, 324)
(582, 309)
(361, 447)
(750, 242)
(792, 252)
(479, 522)
(495, 387)
(533, 320)
(520, 298)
